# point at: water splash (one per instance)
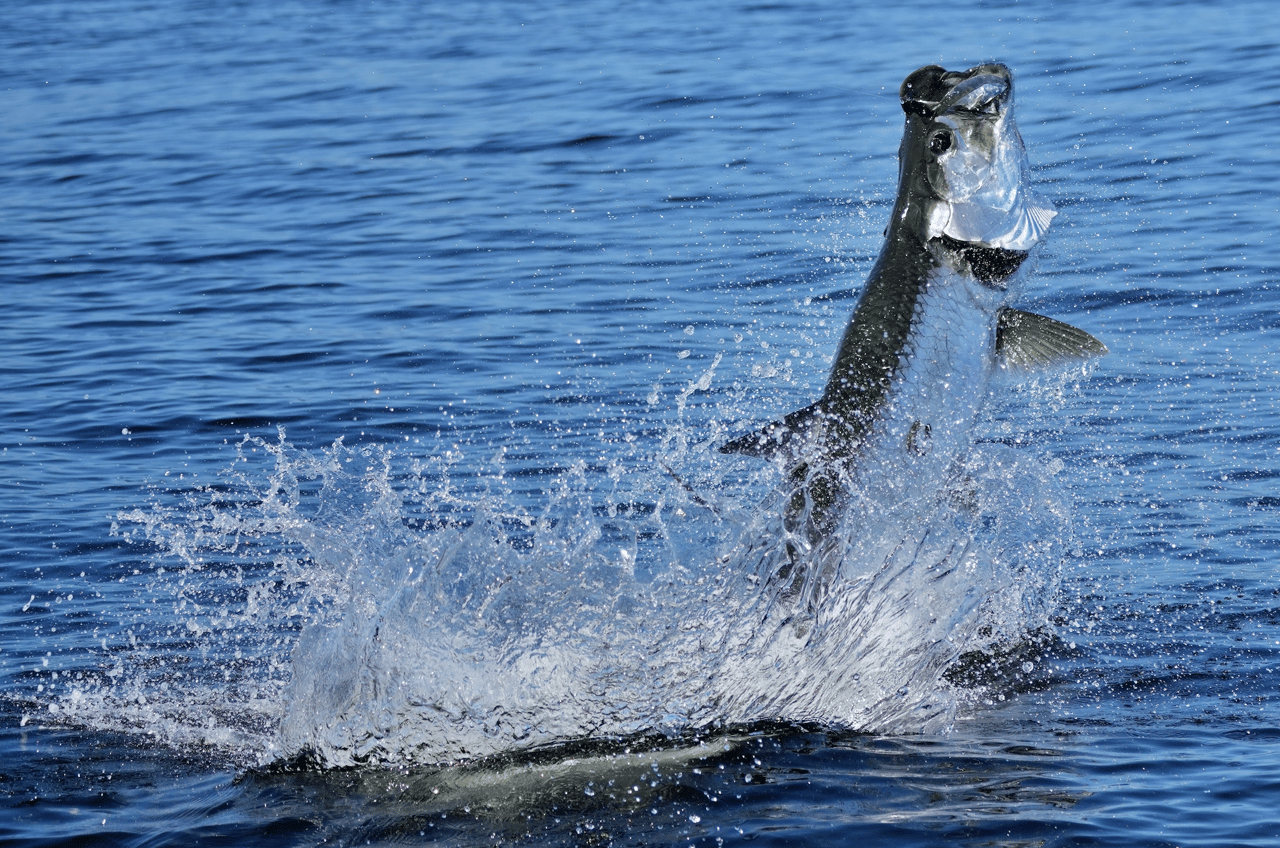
(356, 605)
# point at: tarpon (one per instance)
(933, 323)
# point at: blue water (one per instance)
(351, 353)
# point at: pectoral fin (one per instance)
(776, 437)
(1026, 341)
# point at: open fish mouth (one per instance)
(933, 91)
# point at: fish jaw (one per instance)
(963, 165)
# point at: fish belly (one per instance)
(941, 384)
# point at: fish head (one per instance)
(963, 166)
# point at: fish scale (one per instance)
(942, 383)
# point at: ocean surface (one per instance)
(363, 369)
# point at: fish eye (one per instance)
(941, 142)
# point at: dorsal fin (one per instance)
(776, 437)
(1026, 341)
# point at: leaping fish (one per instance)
(933, 322)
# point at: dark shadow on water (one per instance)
(738, 784)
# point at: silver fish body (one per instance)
(933, 322)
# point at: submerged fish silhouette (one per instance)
(933, 323)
